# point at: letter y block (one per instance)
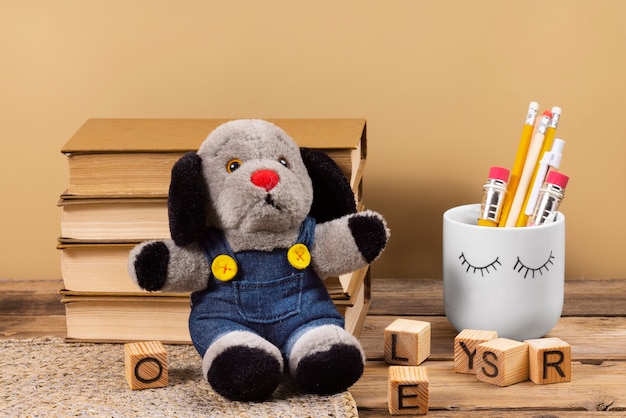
(465, 344)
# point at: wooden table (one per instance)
(593, 322)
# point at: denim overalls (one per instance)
(268, 296)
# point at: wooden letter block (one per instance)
(145, 365)
(408, 390)
(465, 344)
(502, 362)
(549, 360)
(407, 342)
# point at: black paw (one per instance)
(331, 371)
(245, 374)
(151, 266)
(370, 235)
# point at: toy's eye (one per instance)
(284, 161)
(233, 164)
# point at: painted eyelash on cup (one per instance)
(519, 267)
(482, 269)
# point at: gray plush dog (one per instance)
(256, 223)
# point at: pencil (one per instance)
(528, 205)
(529, 167)
(520, 157)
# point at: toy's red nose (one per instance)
(267, 179)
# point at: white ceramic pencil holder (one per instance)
(510, 280)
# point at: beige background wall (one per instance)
(444, 86)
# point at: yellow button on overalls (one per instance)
(224, 267)
(299, 256)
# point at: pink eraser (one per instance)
(547, 113)
(554, 177)
(499, 173)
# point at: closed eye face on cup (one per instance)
(519, 266)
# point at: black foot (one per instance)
(331, 371)
(245, 374)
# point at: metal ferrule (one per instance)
(543, 124)
(550, 198)
(493, 196)
(531, 116)
(555, 120)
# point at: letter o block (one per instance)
(550, 360)
(408, 390)
(145, 365)
(407, 342)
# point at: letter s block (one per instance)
(145, 365)
(502, 362)
(408, 390)
(465, 344)
(407, 342)
(550, 360)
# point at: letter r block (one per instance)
(407, 342)
(465, 344)
(502, 362)
(550, 360)
(145, 365)
(408, 390)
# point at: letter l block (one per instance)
(407, 342)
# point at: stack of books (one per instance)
(119, 175)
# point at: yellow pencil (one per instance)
(522, 219)
(529, 165)
(520, 158)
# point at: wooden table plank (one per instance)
(593, 339)
(583, 297)
(594, 323)
(593, 388)
(31, 297)
(497, 413)
(29, 326)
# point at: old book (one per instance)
(102, 268)
(113, 219)
(122, 318)
(103, 152)
(120, 219)
(117, 197)
(163, 317)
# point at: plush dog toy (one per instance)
(255, 223)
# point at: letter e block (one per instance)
(465, 344)
(502, 362)
(145, 365)
(549, 360)
(408, 390)
(407, 342)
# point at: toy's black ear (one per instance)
(332, 194)
(187, 199)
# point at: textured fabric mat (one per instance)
(46, 377)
